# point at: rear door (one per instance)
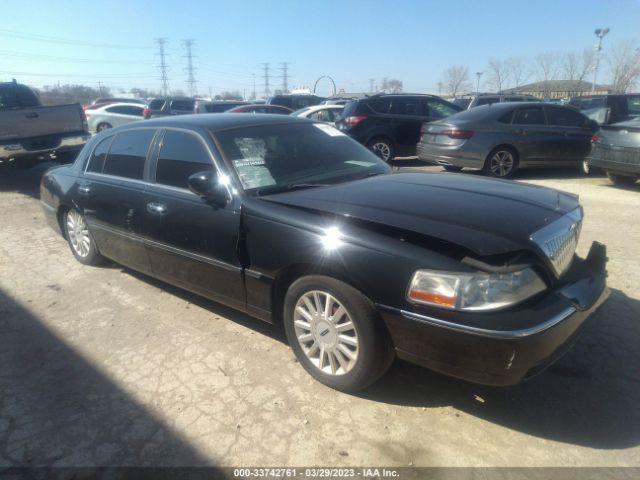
(111, 195)
(406, 118)
(191, 243)
(576, 133)
(535, 140)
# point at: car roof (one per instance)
(214, 121)
(120, 104)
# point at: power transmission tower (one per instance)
(253, 97)
(191, 79)
(285, 76)
(267, 90)
(164, 79)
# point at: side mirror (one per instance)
(207, 185)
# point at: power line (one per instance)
(37, 56)
(285, 76)
(80, 75)
(45, 38)
(191, 79)
(164, 79)
(267, 90)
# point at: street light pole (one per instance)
(478, 74)
(600, 33)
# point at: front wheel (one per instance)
(383, 148)
(501, 163)
(81, 242)
(622, 180)
(335, 333)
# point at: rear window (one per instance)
(486, 101)
(183, 105)
(16, 96)
(128, 153)
(156, 104)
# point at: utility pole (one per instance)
(254, 86)
(478, 74)
(164, 79)
(600, 33)
(191, 79)
(285, 76)
(267, 90)
(100, 88)
(371, 85)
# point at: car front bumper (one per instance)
(503, 348)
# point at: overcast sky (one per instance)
(46, 42)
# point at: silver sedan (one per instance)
(501, 138)
(113, 115)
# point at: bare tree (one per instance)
(498, 73)
(547, 69)
(456, 80)
(577, 66)
(519, 70)
(392, 85)
(624, 62)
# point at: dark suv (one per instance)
(165, 106)
(295, 101)
(608, 109)
(389, 124)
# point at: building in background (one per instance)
(558, 89)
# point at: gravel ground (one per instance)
(103, 366)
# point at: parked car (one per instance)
(99, 102)
(220, 106)
(166, 106)
(608, 109)
(291, 221)
(30, 131)
(501, 138)
(616, 150)
(295, 101)
(327, 113)
(261, 108)
(491, 98)
(113, 115)
(389, 124)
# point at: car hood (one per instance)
(483, 215)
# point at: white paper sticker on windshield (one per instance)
(329, 130)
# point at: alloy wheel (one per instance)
(382, 150)
(78, 233)
(326, 332)
(501, 163)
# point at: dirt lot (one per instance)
(103, 366)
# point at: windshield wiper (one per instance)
(288, 188)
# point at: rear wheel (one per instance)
(622, 179)
(103, 126)
(584, 167)
(382, 147)
(81, 242)
(502, 162)
(335, 333)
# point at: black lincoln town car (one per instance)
(292, 221)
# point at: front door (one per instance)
(535, 140)
(111, 196)
(191, 243)
(576, 132)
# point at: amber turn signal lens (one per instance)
(433, 298)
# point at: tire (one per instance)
(584, 167)
(502, 162)
(452, 168)
(103, 126)
(383, 148)
(80, 240)
(369, 344)
(622, 180)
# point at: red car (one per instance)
(261, 108)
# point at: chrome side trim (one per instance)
(500, 334)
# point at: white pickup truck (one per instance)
(30, 131)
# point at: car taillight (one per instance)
(595, 137)
(83, 116)
(146, 112)
(354, 120)
(458, 134)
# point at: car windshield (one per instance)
(633, 104)
(274, 158)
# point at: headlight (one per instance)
(473, 291)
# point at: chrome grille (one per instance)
(559, 239)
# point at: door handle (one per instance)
(520, 131)
(84, 189)
(156, 208)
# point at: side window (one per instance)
(182, 154)
(529, 116)
(506, 118)
(120, 109)
(432, 107)
(380, 105)
(182, 105)
(128, 153)
(486, 100)
(96, 161)
(565, 117)
(135, 111)
(405, 106)
(513, 99)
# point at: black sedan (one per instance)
(293, 222)
(616, 150)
